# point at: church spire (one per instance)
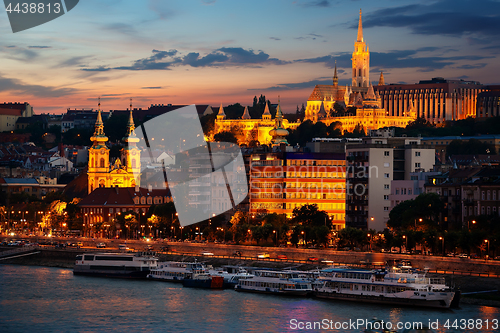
(335, 77)
(360, 28)
(381, 80)
(99, 138)
(99, 125)
(130, 125)
(221, 115)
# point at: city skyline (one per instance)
(212, 52)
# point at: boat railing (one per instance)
(418, 280)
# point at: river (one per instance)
(44, 299)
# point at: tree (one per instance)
(407, 214)
(470, 147)
(350, 237)
(225, 137)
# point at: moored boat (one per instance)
(396, 287)
(204, 280)
(275, 282)
(122, 265)
(175, 271)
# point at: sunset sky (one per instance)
(227, 51)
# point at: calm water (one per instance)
(40, 299)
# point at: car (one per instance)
(312, 259)
(326, 261)
(237, 254)
(282, 257)
(79, 244)
(207, 254)
(450, 254)
(148, 247)
(123, 247)
(463, 255)
(100, 245)
(263, 255)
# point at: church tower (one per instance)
(360, 60)
(130, 154)
(278, 133)
(98, 165)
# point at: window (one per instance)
(397, 191)
(417, 165)
(386, 209)
(494, 195)
(417, 154)
(386, 175)
(409, 191)
(482, 195)
(387, 165)
(386, 197)
(488, 210)
(102, 163)
(488, 195)
(482, 210)
(386, 153)
(386, 186)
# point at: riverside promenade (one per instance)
(294, 256)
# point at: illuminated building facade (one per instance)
(125, 171)
(280, 182)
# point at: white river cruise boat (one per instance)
(396, 287)
(176, 271)
(275, 282)
(123, 265)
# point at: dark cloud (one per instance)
(316, 3)
(302, 85)
(151, 87)
(162, 8)
(208, 2)
(19, 87)
(39, 47)
(309, 36)
(395, 59)
(474, 66)
(445, 17)
(74, 61)
(222, 57)
(275, 38)
(96, 69)
(153, 62)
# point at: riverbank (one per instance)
(50, 257)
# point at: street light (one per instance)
(406, 242)
(442, 246)
(303, 237)
(370, 241)
(488, 248)
(274, 232)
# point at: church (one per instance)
(125, 171)
(320, 106)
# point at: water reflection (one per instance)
(49, 299)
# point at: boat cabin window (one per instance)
(79, 257)
(88, 257)
(115, 258)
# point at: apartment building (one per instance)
(282, 181)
